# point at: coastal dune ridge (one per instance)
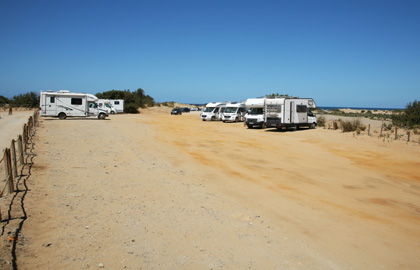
(160, 191)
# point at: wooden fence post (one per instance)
(8, 166)
(408, 136)
(369, 130)
(25, 136)
(20, 148)
(396, 135)
(13, 158)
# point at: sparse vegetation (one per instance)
(320, 121)
(335, 125)
(408, 118)
(368, 114)
(352, 125)
(386, 126)
(168, 104)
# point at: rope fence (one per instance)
(13, 157)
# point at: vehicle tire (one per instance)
(213, 118)
(249, 126)
(312, 126)
(236, 119)
(62, 116)
(112, 112)
(101, 116)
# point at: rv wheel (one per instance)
(213, 118)
(101, 116)
(62, 116)
(313, 125)
(112, 112)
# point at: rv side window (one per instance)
(52, 99)
(76, 101)
(116, 102)
(301, 108)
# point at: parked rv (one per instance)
(106, 105)
(118, 104)
(63, 104)
(213, 111)
(234, 112)
(289, 113)
(255, 114)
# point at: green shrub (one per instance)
(409, 117)
(131, 108)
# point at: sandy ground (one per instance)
(11, 126)
(155, 191)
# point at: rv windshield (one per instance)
(230, 110)
(209, 109)
(107, 105)
(257, 111)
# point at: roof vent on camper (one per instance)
(63, 91)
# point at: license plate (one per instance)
(251, 123)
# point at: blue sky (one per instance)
(341, 53)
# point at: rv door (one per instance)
(50, 105)
(292, 112)
(302, 113)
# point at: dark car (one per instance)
(176, 111)
(185, 109)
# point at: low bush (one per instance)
(320, 121)
(131, 108)
(410, 117)
(352, 125)
(335, 125)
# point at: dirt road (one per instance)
(155, 191)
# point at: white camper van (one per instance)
(65, 104)
(234, 112)
(289, 112)
(255, 115)
(213, 111)
(118, 104)
(106, 105)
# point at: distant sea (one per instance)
(360, 108)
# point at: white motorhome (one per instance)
(63, 104)
(289, 112)
(118, 104)
(255, 114)
(213, 111)
(106, 105)
(234, 112)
